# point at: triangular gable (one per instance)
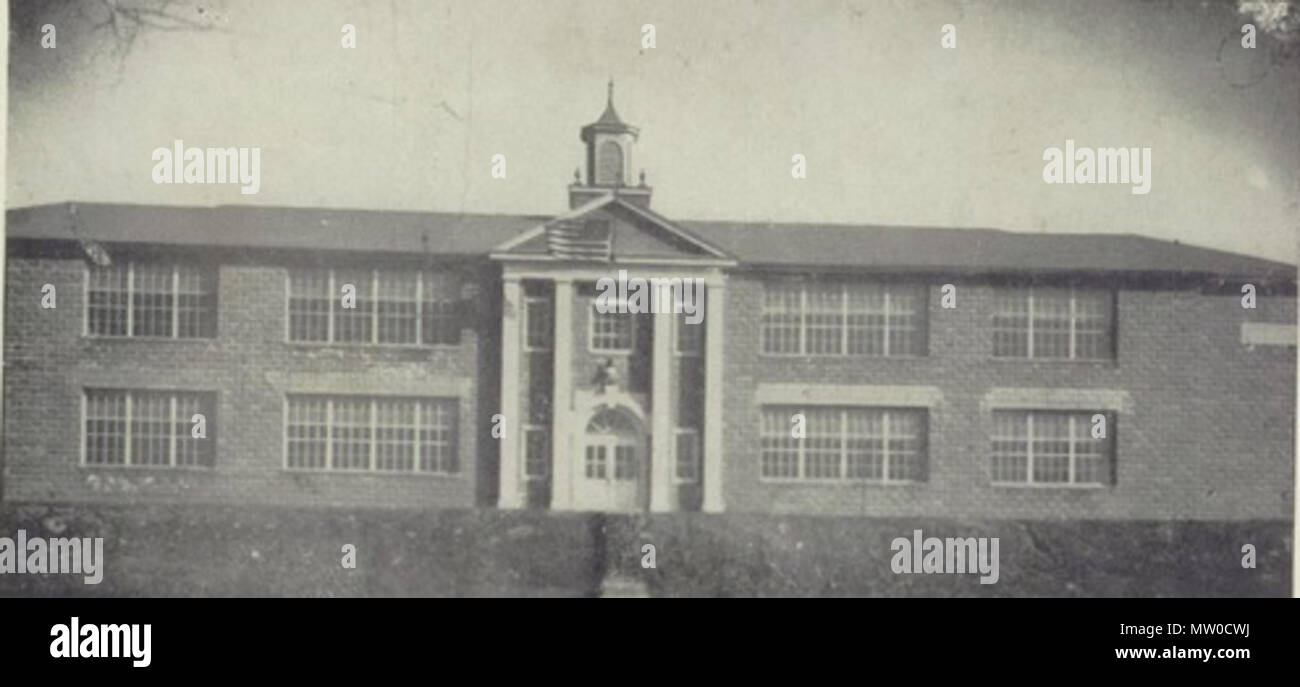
(610, 228)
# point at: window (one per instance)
(594, 464)
(1050, 447)
(388, 307)
(690, 337)
(537, 452)
(151, 300)
(611, 331)
(858, 444)
(609, 164)
(1062, 324)
(397, 305)
(395, 435)
(688, 455)
(148, 428)
(538, 324)
(829, 318)
(783, 318)
(362, 434)
(440, 309)
(625, 462)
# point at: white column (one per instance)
(562, 426)
(512, 313)
(715, 321)
(661, 407)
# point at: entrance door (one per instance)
(612, 463)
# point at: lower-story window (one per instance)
(688, 455)
(149, 428)
(1052, 447)
(379, 434)
(843, 443)
(537, 452)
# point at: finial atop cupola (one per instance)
(609, 121)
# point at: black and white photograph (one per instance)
(670, 299)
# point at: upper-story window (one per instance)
(1063, 324)
(165, 300)
(690, 335)
(611, 332)
(834, 318)
(380, 307)
(539, 323)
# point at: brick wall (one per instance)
(251, 367)
(1209, 433)
(1206, 432)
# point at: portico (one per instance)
(612, 441)
(602, 401)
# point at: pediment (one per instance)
(609, 229)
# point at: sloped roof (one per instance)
(972, 250)
(861, 247)
(271, 227)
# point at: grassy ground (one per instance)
(244, 551)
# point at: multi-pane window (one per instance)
(688, 455)
(438, 437)
(1051, 447)
(611, 331)
(151, 299)
(354, 311)
(354, 433)
(539, 325)
(394, 435)
(537, 452)
(594, 463)
(843, 443)
(310, 299)
(835, 318)
(397, 307)
(373, 307)
(1070, 324)
(148, 428)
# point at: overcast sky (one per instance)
(896, 129)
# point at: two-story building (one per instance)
(418, 359)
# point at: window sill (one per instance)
(829, 482)
(175, 339)
(1048, 485)
(193, 469)
(378, 346)
(1097, 362)
(856, 357)
(373, 473)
